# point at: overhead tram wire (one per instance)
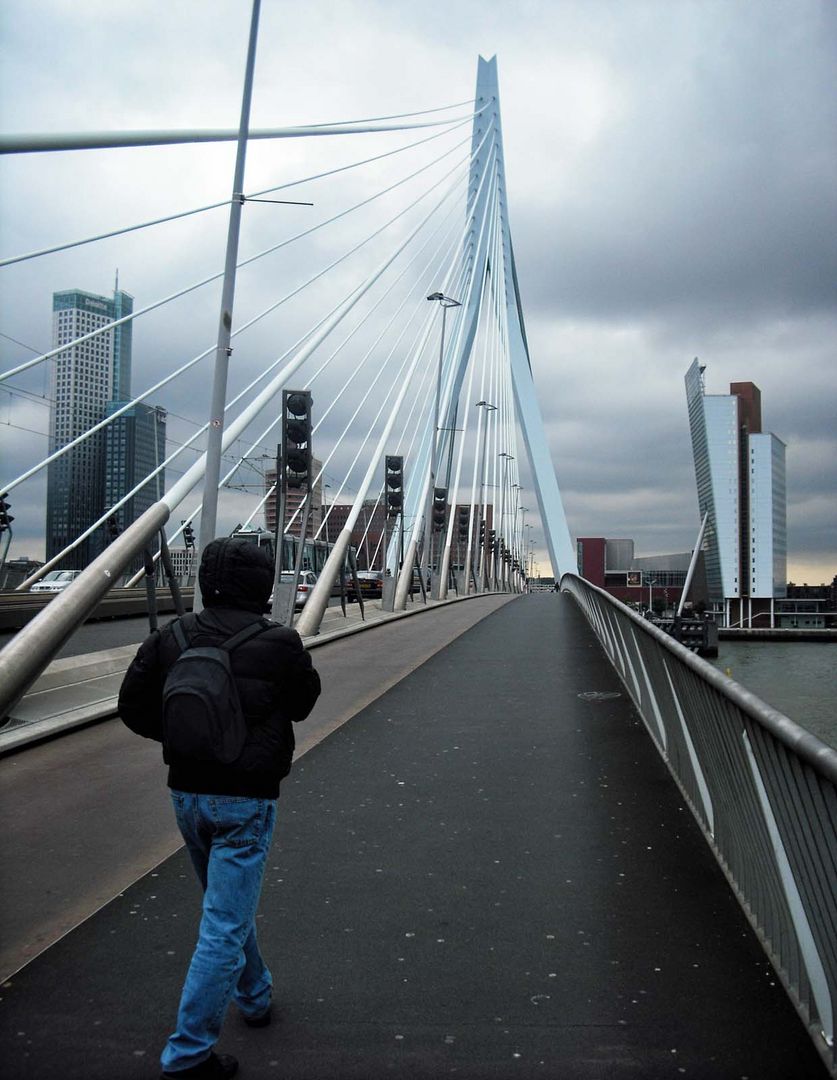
(226, 202)
(190, 363)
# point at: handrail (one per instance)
(762, 788)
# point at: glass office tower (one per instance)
(84, 379)
(740, 476)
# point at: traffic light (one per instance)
(482, 534)
(440, 508)
(6, 518)
(394, 484)
(112, 526)
(296, 437)
(188, 534)
(463, 523)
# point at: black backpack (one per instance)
(202, 715)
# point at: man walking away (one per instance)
(221, 690)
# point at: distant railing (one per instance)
(762, 788)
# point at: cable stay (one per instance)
(11, 260)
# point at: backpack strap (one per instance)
(179, 636)
(251, 631)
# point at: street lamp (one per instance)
(652, 581)
(324, 509)
(503, 511)
(489, 408)
(522, 556)
(444, 302)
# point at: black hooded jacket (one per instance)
(276, 681)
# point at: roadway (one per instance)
(486, 873)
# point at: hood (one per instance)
(236, 573)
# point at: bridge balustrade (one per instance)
(763, 790)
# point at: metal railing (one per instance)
(763, 790)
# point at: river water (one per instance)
(799, 678)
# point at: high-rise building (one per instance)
(84, 379)
(740, 474)
(768, 517)
(135, 444)
(91, 381)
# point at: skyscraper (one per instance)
(135, 444)
(740, 474)
(84, 379)
(91, 381)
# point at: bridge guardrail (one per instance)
(763, 790)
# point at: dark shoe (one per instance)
(216, 1067)
(262, 1020)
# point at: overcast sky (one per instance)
(672, 191)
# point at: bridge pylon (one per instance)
(485, 199)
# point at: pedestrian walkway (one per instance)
(486, 873)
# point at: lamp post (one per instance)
(652, 581)
(489, 408)
(508, 457)
(444, 303)
(325, 509)
(512, 543)
(521, 545)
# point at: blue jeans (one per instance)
(228, 838)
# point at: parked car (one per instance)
(304, 588)
(371, 584)
(55, 581)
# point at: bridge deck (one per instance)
(482, 874)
